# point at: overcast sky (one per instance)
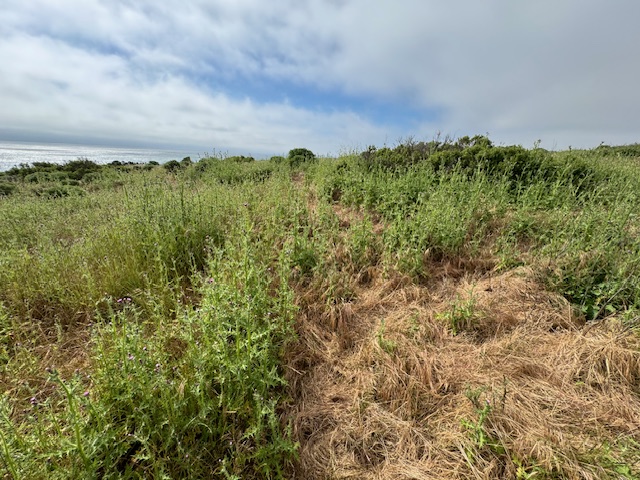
(263, 77)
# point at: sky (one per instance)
(335, 76)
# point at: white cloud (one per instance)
(150, 71)
(68, 90)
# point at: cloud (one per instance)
(324, 74)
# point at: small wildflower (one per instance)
(86, 393)
(131, 357)
(209, 280)
(33, 401)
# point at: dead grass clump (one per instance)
(494, 306)
(36, 352)
(516, 385)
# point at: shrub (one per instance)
(60, 191)
(411, 152)
(298, 156)
(172, 166)
(240, 159)
(632, 150)
(6, 189)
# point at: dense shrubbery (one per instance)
(232, 170)
(6, 189)
(172, 166)
(299, 156)
(632, 150)
(469, 155)
(240, 159)
(43, 171)
(52, 180)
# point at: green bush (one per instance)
(6, 189)
(60, 191)
(632, 150)
(78, 169)
(172, 166)
(298, 156)
(240, 159)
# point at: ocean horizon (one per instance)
(14, 154)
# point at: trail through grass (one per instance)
(441, 310)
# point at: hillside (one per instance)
(450, 309)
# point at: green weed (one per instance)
(461, 315)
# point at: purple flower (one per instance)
(33, 401)
(86, 394)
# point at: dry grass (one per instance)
(385, 387)
(35, 354)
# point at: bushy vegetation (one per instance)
(299, 156)
(147, 312)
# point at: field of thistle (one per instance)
(443, 309)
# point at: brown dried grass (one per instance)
(36, 351)
(381, 386)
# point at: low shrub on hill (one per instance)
(632, 150)
(6, 189)
(240, 159)
(299, 156)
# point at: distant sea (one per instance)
(13, 154)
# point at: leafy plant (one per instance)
(299, 156)
(385, 344)
(461, 315)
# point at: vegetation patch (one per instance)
(442, 309)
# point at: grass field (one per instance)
(450, 309)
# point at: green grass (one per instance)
(181, 283)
